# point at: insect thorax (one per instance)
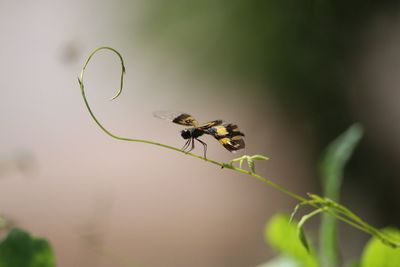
(191, 133)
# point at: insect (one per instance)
(227, 134)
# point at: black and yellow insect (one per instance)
(227, 134)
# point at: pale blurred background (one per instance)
(292, 74)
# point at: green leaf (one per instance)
(241, 162)
(259, 157)
(300, 230)
(252, 165)
(283, 236)
(19, 249)
(303, 238)
(335, 158)
(250, 161)
(333, 162)
(377, 254)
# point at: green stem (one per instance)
(349, 217)
(310, 215)
(365, 226)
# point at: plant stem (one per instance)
(328, 206)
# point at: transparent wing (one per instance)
(167, 114)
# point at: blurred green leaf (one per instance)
(353, 263)
(281, 262)
(283, 236)
(335, 158)
(333, 162)
(259, 157)
(377, 254)
(303, 238)
(19, 249)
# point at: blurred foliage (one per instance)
(281, 262)
(19, 249)
(334, 160)
(295, 250)
(283, 236)
(337, 154)
(377, 254)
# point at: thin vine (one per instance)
(321, 204)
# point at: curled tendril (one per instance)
(118, 93)
(331, 207)
(123, 70)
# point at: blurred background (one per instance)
(292, 74)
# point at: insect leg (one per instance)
(186, 145)
(205, 147)
(192, 139)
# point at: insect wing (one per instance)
(186, 119)
(177, 117)
(210, 124)
(167, 115)
(232, 144)
(229, 136)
